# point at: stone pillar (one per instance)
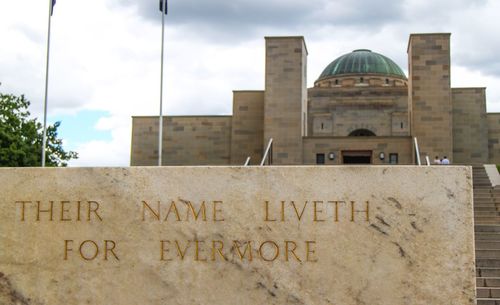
(470, 126)
(430, 93)
(285, 98)
(247, 127)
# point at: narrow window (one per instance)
(322, 126)
(401, 125)
(336, 82)
(387, 81)
(320, 158)
(361, 80)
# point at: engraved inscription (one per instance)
(203, 211)
(220, 250)
(316, 211)
(90, 250)
(58, 210)
(182, 210)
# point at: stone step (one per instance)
(487, 236)
(493, 202)
(485, 208)
(485, 205)
(489, 244)
(486, 196)
(488, 301)
(486, 222)
(487, 272)
(487, 219)
(488, 292)
(486, 213)
(488, 281)
(488, 253)
(488, 262)
(486, 228)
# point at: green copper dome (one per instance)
(362, 62)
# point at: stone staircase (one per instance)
(487, 238)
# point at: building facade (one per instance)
(361, 110)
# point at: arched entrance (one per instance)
(358, 156)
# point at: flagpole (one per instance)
(160, 127)
(46, 87)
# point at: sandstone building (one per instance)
(361, 110)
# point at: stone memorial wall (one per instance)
(237, 235)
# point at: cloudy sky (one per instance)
(105, 54)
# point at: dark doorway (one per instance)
(320, 158)
(357, 157)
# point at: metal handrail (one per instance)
(266, 153)
(417, 151)
(247, 161)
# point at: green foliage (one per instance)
(21, 137)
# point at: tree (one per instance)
(21, 137)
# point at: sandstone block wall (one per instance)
(247, 127)
(187, 140)
(470, 127)
(494, 137)
(430, 93)
(285, 98)
(388, 145)
(339, 111)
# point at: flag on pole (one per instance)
(52, 7)
(161, 6)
